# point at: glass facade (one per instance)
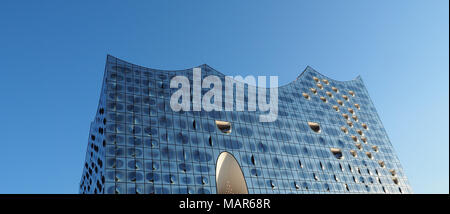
(328, 138)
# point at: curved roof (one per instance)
(303, 73)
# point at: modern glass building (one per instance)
(327, 138)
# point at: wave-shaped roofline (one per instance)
(307, 69)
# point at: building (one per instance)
(327, 138)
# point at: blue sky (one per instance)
(53, 54)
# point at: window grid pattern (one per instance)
(137, 144)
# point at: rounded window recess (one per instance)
(349, 123)
(382, 164)
(316, 79)
(345, 130)
(319, 86)
(337, 153)
(229, 176)
(329, 94)
(224, 127)
(393, 173)
(364, 139)
(357, 106)
(314, 126)
(354, 138)
(350, 110)
(313, 90)
(345, 116)
(355, 118)
(345, 97)
(351, 93)
(369, 155)
(335, 89)
(325, 81)
(395, 180)
(354, 153)
(323, 99)
(375, 148)
(364, 126)
(359, 146)
(340, 102)
(359, 132)
(306, 96)
(336, 108)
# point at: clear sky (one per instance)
(52, 56)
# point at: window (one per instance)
(306, 96)
(354, 153)
(375, 148)
(323, 99)
(357, 106)
(359, 131)
(364, 139)
(355, 118)
(344, 129)
(395, 179)
(340, 102)
(337, 153)
(364, 126)
(325, 81)
(336, 108)
(335, 89)
(393, 173)
(224, 127)
(349, 123)
(351, 93)
(316, 79)
(314, 126)
(359, 146)
(351, 111)
(313, 90)
(319, 86)
(354, 138)
(345, 97)
(345, 116)
(329, 94)
(382, 164)
(369, 155)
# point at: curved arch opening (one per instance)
(229, 176)
(335, 89)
